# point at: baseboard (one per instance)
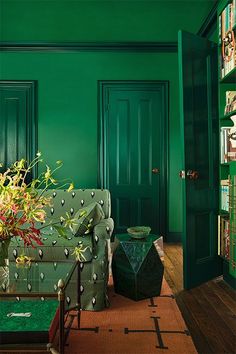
(227, 276)
(173, 237)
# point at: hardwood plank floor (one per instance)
(209, 310)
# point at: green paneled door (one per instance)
(198, 103)
(135, 153)
(17, 121)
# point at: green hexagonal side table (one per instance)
(136, 267)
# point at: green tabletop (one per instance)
(41, 315)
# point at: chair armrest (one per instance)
(104, 228)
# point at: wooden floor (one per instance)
(209, 310)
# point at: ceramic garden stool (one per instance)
(136, 267)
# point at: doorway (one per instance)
(133, 151)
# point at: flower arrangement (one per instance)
(22, 203)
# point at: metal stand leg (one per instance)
(61, 298)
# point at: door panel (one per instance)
(199, 122)
(133, 146)
(18, 122)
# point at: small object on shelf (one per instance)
(19, 314)
(230, 102)
(228, 142)
(228, 49)
(139, 232)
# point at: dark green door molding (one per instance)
(134, 151)
(18, 123)
(149, 47)
(199, 126)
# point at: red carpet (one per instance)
(128, 327)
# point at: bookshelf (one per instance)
(227, 126)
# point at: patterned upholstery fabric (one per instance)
(86, 218)
(94, 271)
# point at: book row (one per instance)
(227, 20)
(230, 104)
(223, 236)
(227, 144)
(224, 194)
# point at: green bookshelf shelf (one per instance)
(229, 78)
(224, 212)
(224, 164)
(228, 115)
(224, 259)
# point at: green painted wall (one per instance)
(67, 82)
(67, 107)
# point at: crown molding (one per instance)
(89, 46)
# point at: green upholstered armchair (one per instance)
(95, 269)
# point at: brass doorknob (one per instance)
(191, 174)
(155, 170)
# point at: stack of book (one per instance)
(227, 149)
(227, 23)
(223, 236)
(230, 105)
(224, 194)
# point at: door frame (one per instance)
(149, 85)
(30, 86)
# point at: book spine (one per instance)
(219, 28)
(219, 234)
(223, 25)
(226, 239)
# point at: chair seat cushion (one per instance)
(55, 247)
(39, 327)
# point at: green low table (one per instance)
(136, 267)
(38, 328)
(34, 299)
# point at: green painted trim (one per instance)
(32, 129)
(173, 237)
(103, 89)
(182, 130)
(228, 115)
(209, 24)
(230, 78)
(168, 47)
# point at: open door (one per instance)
(199, 126)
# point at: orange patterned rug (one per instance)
(150, 326)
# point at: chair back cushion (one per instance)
(63, 201)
